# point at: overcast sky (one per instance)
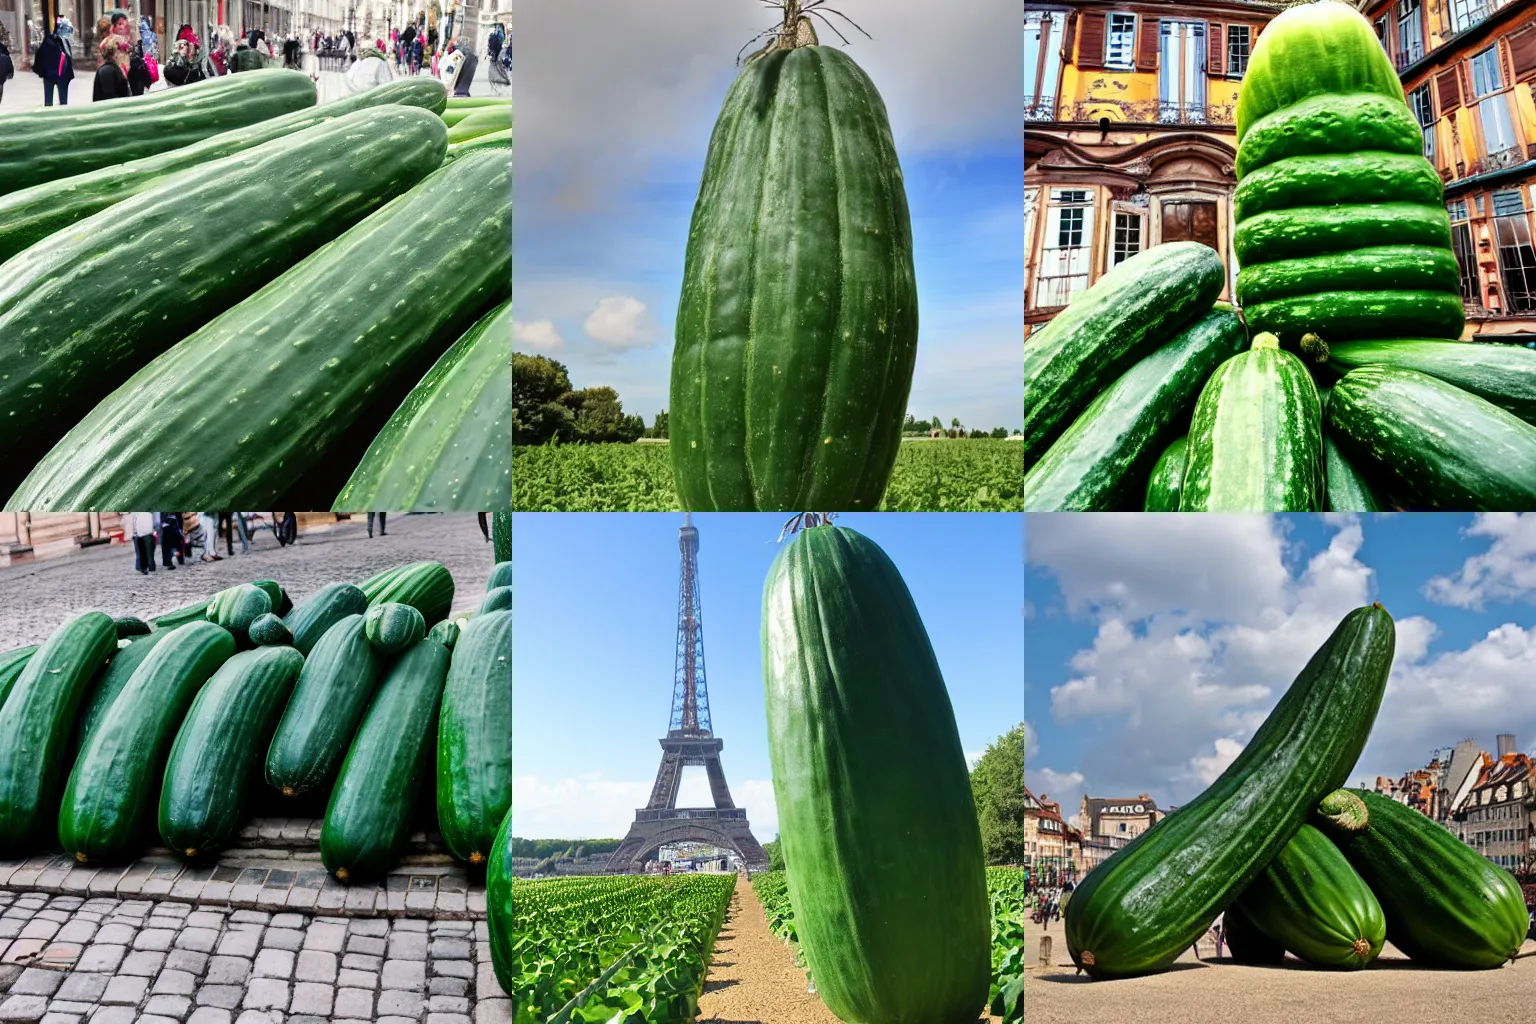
(1155, 645)
(615, 104)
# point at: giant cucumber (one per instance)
(474, 742)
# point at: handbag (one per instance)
(153, 67)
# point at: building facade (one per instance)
(1052, 849)
(1129, 138)
(1495, 817)
(1118, 820)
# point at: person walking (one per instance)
(239, 519)
(142, 529)
(112, 77)
(171, 539)
(7, 66)
(55, 64)
(381, 516)
(208, 527)
(370, 70)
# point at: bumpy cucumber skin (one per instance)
(1502, 374)
(498, 904)
(474, 744)
(1167, 478)
(318, 612)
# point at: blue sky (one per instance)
(1155, 645)
(594, 630)
(616, 101)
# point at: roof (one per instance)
(1097, 806)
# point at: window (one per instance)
(1064, 258)
(1127, 238)
(1410, 32)
(1424, 109)
(1380, 25)
(1239, 45)
(1120, 42)
(1517, 256)
(1466, 13)
(1500, 145)
(1181, 76)
(1042, 62)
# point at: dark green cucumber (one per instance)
(321, 610)
(198, 612)
(1099, 462)
(1330, 179)
(37, 722)
(426, 586)
(270, 631)
(1358, 315)
(1245, 942)
(474, 740)
(501, 535)
(1441, 447)
(332, 695)
(1330, 124)
(1502, 374)
(498, 904)
(110, 802)
(109, 682)
(1314, 230)
(496, 600)
(393, 627)
(11, 664)
(1348, 491)
(128, 625)
(218, 750)
(1314, 904)
(1392, 268)
(1446, 905)
(1147, 904)
(1255, 443)
(369, 814)
(445, 633)
(1167, 478)
(238, 608)
(1102, 333)
(501, 576)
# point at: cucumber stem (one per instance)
(1343, 811)
(1317, 348)
(1265, 340)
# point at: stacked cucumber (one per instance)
(114, 737)
(1143, 396)
(290, 340)
(1296, 863)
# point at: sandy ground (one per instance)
(753, 978)
(1212, 991)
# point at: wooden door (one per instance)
(1188, 220)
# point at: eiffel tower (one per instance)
(689, 741)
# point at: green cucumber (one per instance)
(474, 738)
(218, 749)
(1167, 478)
(1315, 230)
(498, 904)
(109, 682)
(238, 608)
(1329, 179)
(425, 586)
(1312, 902)
(270, 631)
(1446, 905)
(1358, 315)
(321, 610)
(369, 814)
(891, 931)
(501, 576)
(1139, 910)
(1128, 313)
(445, 633)
(480, 122)
(37, 722)
(1255, 444)
(1330, 124)
(102, 298)
(1099, 462)
(1245, 942)
(1439, 446)
(393, 627)
(111, 799)
(11, 664)
(501, 535)
(495, 600)
(198, 612)
(449, 445)
(1348, 491)
(1502, 374)
(128, 625)
(339, 678)
(322, 397)
(501, 139)
(1394, 268)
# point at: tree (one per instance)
(538, 385)
(659, 428)
(997, 783)
(1000, 433)
(598, 416)
(955, 422)
(775, 852)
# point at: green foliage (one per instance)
(597, 416)
(545, 408)
(997, 782)
(659, 428)
(556, 847)
(775, 852)
(930, 476)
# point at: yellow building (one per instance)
(1128, 136)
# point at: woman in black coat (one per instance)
(7, 68)
(56, 66)
(112, 76)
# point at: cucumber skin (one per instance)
(1386, 268)
(426, 586)
(1359, 315)
(1167, 478)
(1441, 447)
(1315, 230)
(501, 576)
(321, 610)
(1348, 491)
(393, 627)
(11, 665)
(369, 814)
(1255, 443)
(1139, 910)
(36, 724)
(1311, 901)
(109, 803)
(1100, 460)
(474, 738)
(498, 599)
(1330, 124)
(498, 904)
(109, 682)
(338, 681)
(270, 631)
(1327, 179)
(218, 749)
(1502, 374)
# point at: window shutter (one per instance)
(1448, 86)
(1147, 45)
(1522, 50)
(1090, 48)
(1217, 65)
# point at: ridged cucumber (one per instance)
(426, 586)
(474, 739)
(498, 904)
(1502, 374)
(321, 610)
(1348, 491)
(1167, 478)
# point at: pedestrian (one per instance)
(142, 529)
(208, 527)
(7, 66)
(494, 43)
(416, 52)
(370, 70)
(112, 76)
(239, 519)
(1221, 934)
(485, 530)
(381, 523)
(171, 539)
(55, 65)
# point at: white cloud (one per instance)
(1505, 572)
(540, 335)
(1065, 788)
(1031, 741)
(619, 322)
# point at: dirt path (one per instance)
(753, 978)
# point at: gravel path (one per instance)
(753, 978)
(1221, 992)
(37, 597)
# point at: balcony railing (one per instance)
(1039, 108)
(1496, 161)
(1408, 54)
(1150, 111)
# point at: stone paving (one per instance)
(37, 597)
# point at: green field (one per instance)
(931, 476)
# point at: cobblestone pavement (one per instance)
(37, 597)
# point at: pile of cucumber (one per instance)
(1297, 864)
(297, 280)
(119, 735)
